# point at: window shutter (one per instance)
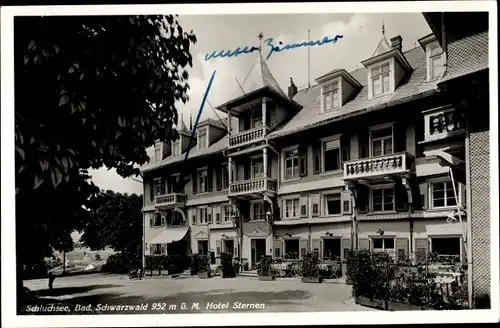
(193, 216)
(210, 178)
(162, 249)
(315, 204)
(346, 246)
(235, 254)
(218, 178)
(399, 135)
(422, 249)
(345, 196)
(364, 142)
(362, 198)
(218, 247)
(151, 249)
(195, 182)
(304, 202)
(316, 246)
(209, 214)
(364, 243)
(152, 190)
(245, 211)
(401, 198)
(316, 157)
(278, 248)
(402, 248)
(303, 160)
(246, 171)
(345, 144)
(151, 218)
(464, 251)
(303, 247)
(424, 197)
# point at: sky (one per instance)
(361, 35)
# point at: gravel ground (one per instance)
(97, 293)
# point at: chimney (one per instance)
(397, 43)
(292, 89)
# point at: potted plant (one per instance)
(265, 270)
(310, 268)
(204, 267)
(227, 265)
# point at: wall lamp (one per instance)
(329, 234)
(288, 235)
(380, 232)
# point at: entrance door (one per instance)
(203, 247)
(258, 250)
(331, 249)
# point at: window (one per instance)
(159, 187)
(259, 211)
(226, 213)
(331, 155)
(331, 97)
(157, 220)
(202, 138)
(175, 219)
(157, 249)
(157, 153)
(256, 119)
(292, 208)
(202, 180)
(383, 199)
(291, 164)
(258, 167)
(229, 246)
(383, 244)
(332, 203)
(291, 249)
(382, 141)
(176, 148)
(380, 79)
(435, 63)
(203, 215)
(446, 246)
(443, 195)
(331, 249)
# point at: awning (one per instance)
(170, 235)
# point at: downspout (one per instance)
(444, 59)
(469, 214)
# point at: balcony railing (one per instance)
(443, 122)
(248, 137)
(252, 186)
(377, 166)
(170, 200)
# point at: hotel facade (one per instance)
(386, 157)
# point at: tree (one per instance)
(114, 221)
(89, 91)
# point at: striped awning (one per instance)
(170, 235)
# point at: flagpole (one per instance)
(308, 59)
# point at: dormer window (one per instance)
(331, 96)
(202, 138)
(176, 148)
(380, 79)
(434, 61)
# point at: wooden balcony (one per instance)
(442, 123)
(170, 200)
(248, 137)
(254, 186)
(378, 167)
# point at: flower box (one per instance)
(372, 303)
(203, 275)
(313, 280)
(398, 306)
(267, 278)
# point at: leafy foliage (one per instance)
(90, 91)
(121, 263)
(310, 265)
(114, 220)
(265, 266)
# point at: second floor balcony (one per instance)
(443, 122)
(378, 167)
(253, 186)
(170, 200)
(248, 137)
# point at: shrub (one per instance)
(195, 259)
(121, 263)
(265, 266)
(227, 265)
(310, 265)
(203, 263)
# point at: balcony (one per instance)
(378, 167)
(443, 122)
(254, 186)
(248, 137)
(170, 200)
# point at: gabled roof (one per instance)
(310, 116)
(259, 77)
(383, 45)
